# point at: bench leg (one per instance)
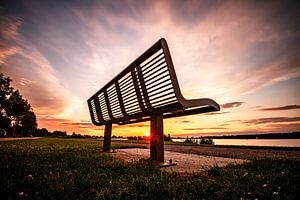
(157, 139)
(107, 137)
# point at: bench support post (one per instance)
(157, 138)
(107, 137)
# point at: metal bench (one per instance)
(145, 90)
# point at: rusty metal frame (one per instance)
(142, 108)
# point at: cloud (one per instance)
(284, 127)
(183, 121)
(287, 107)
(68, 125)
(135, 125)
(199, 129)
(30, 70)
(24, 82)
(271, 120)
(224, 124)
(216, 113)
(78, 123)
(232, 104)
(8, 33)
(234, 120)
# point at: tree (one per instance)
(5, 123)
(59, 133)
(28, 122)
(14, 109)
(5, 92)
(167, 137)
(41, 132)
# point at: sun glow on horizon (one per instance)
(147, 134)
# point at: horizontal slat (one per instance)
(162, 95)
(124, 79)
(130, 98)
(154, 65)
(156, 57)
(154, 75)
(126, 84)
(158, 84)
(127, 93)
(157, 67)
(112, 92)
(133, 110)
(161, 100)
(125, 87)
(110, 88)
(115, 105)
(132, 105)
(164, 104)
(153, 93)
(113, 101)
(154, 80)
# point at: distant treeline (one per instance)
(166, 137)
(45, 133)
(292, 135)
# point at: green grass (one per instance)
(75, 169)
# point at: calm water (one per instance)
(255, 142)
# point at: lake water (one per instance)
(255, 142)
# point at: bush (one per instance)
(206, 141)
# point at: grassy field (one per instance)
(75, 169)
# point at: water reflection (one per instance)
(253, 142)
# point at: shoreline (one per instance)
(244, 152)
(210, 145)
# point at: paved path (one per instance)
(19, 138)
(186, 163)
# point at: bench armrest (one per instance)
(202, 102)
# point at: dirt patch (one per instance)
(186, 163)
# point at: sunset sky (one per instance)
(243, 54)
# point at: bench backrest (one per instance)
(148, 85)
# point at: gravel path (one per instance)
(196, 158)
(186, 163)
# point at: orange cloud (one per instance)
(271, 120)
(232, 104)
(288, 107)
